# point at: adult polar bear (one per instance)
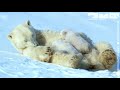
(65, 48)
(40, 45)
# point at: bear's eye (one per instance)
(10, 36)
(28, 23)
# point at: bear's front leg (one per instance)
(66, 59)
(42, 53)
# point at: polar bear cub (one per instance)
(76, 40)
(63, 46)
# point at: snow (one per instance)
(14, 65)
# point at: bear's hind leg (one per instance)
(108, 58)
(107, 55)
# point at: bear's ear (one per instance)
(9, 36)
(63, 32)
(28, 23)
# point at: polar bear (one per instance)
(78, 51)
(76, 40)
(38, 45)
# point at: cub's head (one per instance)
(23, 36)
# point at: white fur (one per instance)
(92, 58)
(76, 40)
(83, 35)
(23, 36)
(25, 32)
(62, 46)
(102, 46)
(37, 53)
(67, 60)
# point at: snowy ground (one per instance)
(14, 65)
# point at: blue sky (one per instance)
(97, 30)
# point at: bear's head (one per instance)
(64, 32)
(23, 36)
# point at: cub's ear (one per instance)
(27, 23)
(63, 32)
(9, 36)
